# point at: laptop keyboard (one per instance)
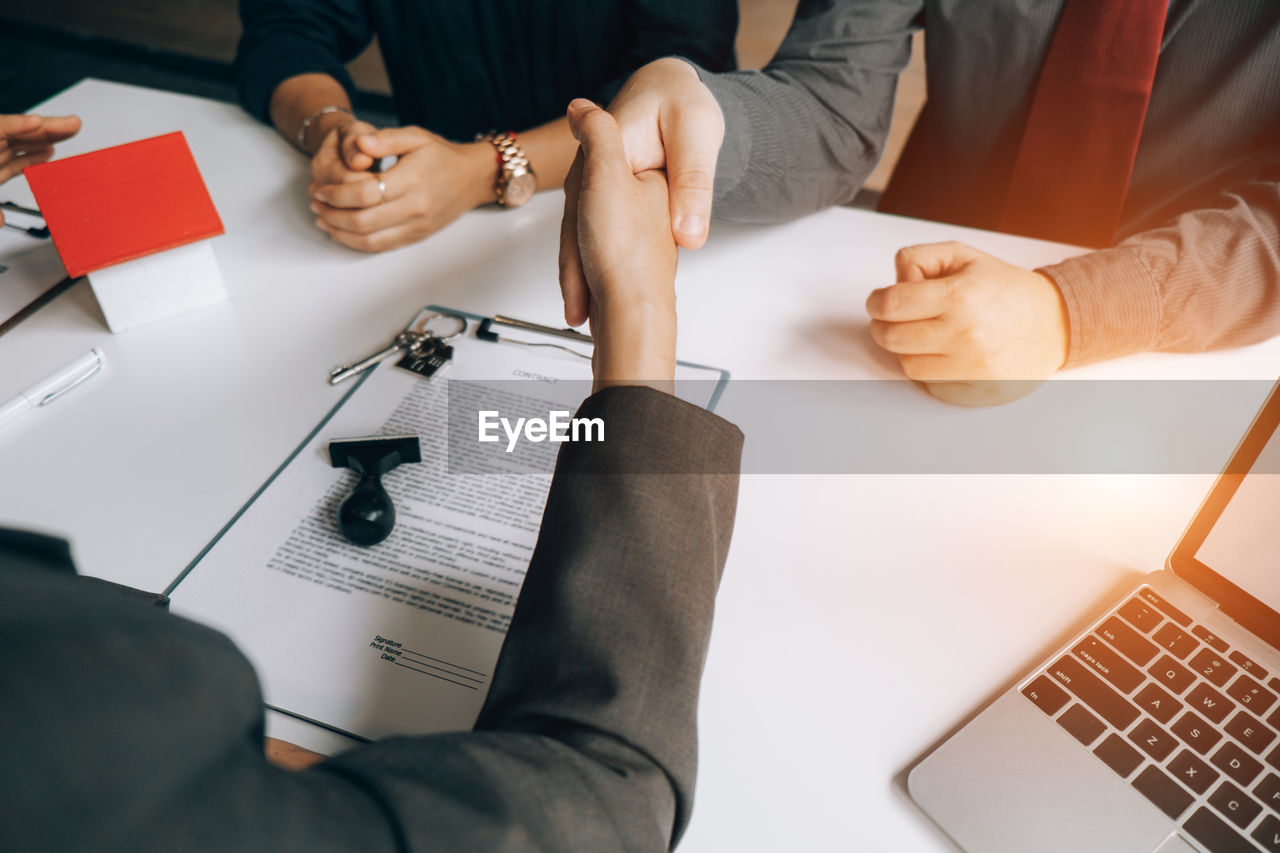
(1191, 723)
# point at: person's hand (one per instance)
(433, 183)
(669, 120)
(337, 159)
(290, 756)
(26, 140)
(974, 329)
(627, 254)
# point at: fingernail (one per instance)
(320, 223)
(315, 208)
(691, 224)
(321, 197)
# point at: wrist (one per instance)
(635, 343)
(1059, 337)
(485, 166)
(318, 127)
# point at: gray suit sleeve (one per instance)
(148, 728)
(804, 133)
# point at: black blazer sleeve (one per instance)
(285, 38)
(125, 728)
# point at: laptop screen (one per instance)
(1231, 551)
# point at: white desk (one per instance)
(860, 618)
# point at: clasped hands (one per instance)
(973, 329)
(432, 183)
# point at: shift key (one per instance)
(1107, 703)
(1108, 663)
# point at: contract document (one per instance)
(401, 637)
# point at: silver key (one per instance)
(404, 343)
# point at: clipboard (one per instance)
(400, 638)
(503, 329)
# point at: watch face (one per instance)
(519, 189)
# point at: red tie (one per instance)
(1073, 166)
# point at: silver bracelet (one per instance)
(301, 137)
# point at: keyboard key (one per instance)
(1210, 702)
(1196, 732)
(1163, 791)
(1090, 689)
(1274, 719)
(1140, 616)
(1178, 642)
(1118, 755)
(1192, 772)
(1157, 703)
(1213, 832)
(1267, 833)
(1239, 808)
(1213, 667)
(1251, 694)
(1153, 740)
(1268, 790)
(1048, 696)
(1236, 763)
(1210, 638)
(1108, 663)
(1274, 684)
(1248, 665)
(1128, 641)
(1244, 728)
(1082, 725)
(1171, 674)
(1149, 595)
(1273, 758)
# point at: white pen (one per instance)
(47, 390)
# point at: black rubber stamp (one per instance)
(367, 516)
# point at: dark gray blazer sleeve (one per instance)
(806, 131)
(135, 730)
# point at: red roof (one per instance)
(122, 203)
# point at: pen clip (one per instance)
(486, 333)
(80, 380)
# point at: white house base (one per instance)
(158, 286)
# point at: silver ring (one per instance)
(382, 191)
(422, 327)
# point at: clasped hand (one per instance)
(432, 183)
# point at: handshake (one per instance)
(972, 328)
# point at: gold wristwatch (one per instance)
(516, 182)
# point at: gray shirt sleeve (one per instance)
(805, 132)
(1206, 279)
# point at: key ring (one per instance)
(422, 327)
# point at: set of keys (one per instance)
(420, 350)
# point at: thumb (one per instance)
(933, 260)
(603, 154)
(691, 137)
(392, 141)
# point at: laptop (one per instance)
(1158, 728)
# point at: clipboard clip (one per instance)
(487, 333)
(39, 232)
